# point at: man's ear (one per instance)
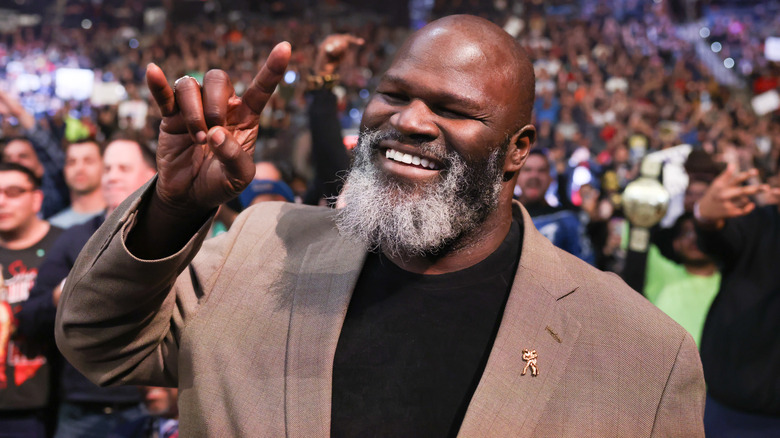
(517, 151)
(37, 200)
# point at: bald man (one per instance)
(428, 306)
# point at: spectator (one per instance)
(125, 169)
(328, 152)
(162, 420)
(87, 410)
(740, 346)
(263, 190)
(83, 174)
(560, 225)
(687, 290)
(24, 241)
(40, 152)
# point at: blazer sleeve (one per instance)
(120, 318)
(681, 409)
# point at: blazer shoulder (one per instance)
(291, 223)
(605, 296)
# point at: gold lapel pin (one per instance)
(530, 357)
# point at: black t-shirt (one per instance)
(413, 347)
(24, 370)
(740, 344)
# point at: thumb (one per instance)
(237, 164)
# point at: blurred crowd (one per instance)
(615, 82)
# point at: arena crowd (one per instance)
(614, 84)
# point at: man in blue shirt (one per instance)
(559, 224)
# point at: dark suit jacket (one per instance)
(249, 329)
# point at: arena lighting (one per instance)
(716, 47)
(86, 24)
(581, 176)
(133, 43)
(728, 63)
(290, 77)
(704, 32)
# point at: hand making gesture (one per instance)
(727, 197)
(204, 153)
(207, 135)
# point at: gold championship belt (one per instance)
(645, 201)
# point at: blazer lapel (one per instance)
(507, 403)
(324, 287)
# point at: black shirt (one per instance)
(413, 346)
(24, 367)
(740, 345)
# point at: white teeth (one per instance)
(395, 155)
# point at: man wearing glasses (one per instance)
(24, 240)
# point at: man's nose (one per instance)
(110, 174)
(415, 120)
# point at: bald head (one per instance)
(474, 40)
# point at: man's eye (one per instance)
(451, 114)
(394, 97)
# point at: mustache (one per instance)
(534, 182)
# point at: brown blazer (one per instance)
(249, 330)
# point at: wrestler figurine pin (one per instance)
(530, 356)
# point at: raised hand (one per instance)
(207, 135)
(10, 106)
(204, 153)
(727, 197)
(332, 50)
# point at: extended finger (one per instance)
(162, 92)
(741, 177)
(217, 90)
(190, 103)
(237, 163)
(740, 191)
(270, 74)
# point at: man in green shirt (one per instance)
(685, 291)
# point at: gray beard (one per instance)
(403, 220)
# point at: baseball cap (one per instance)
(265, 187)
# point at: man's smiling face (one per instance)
(430, 164)
(443, 94)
